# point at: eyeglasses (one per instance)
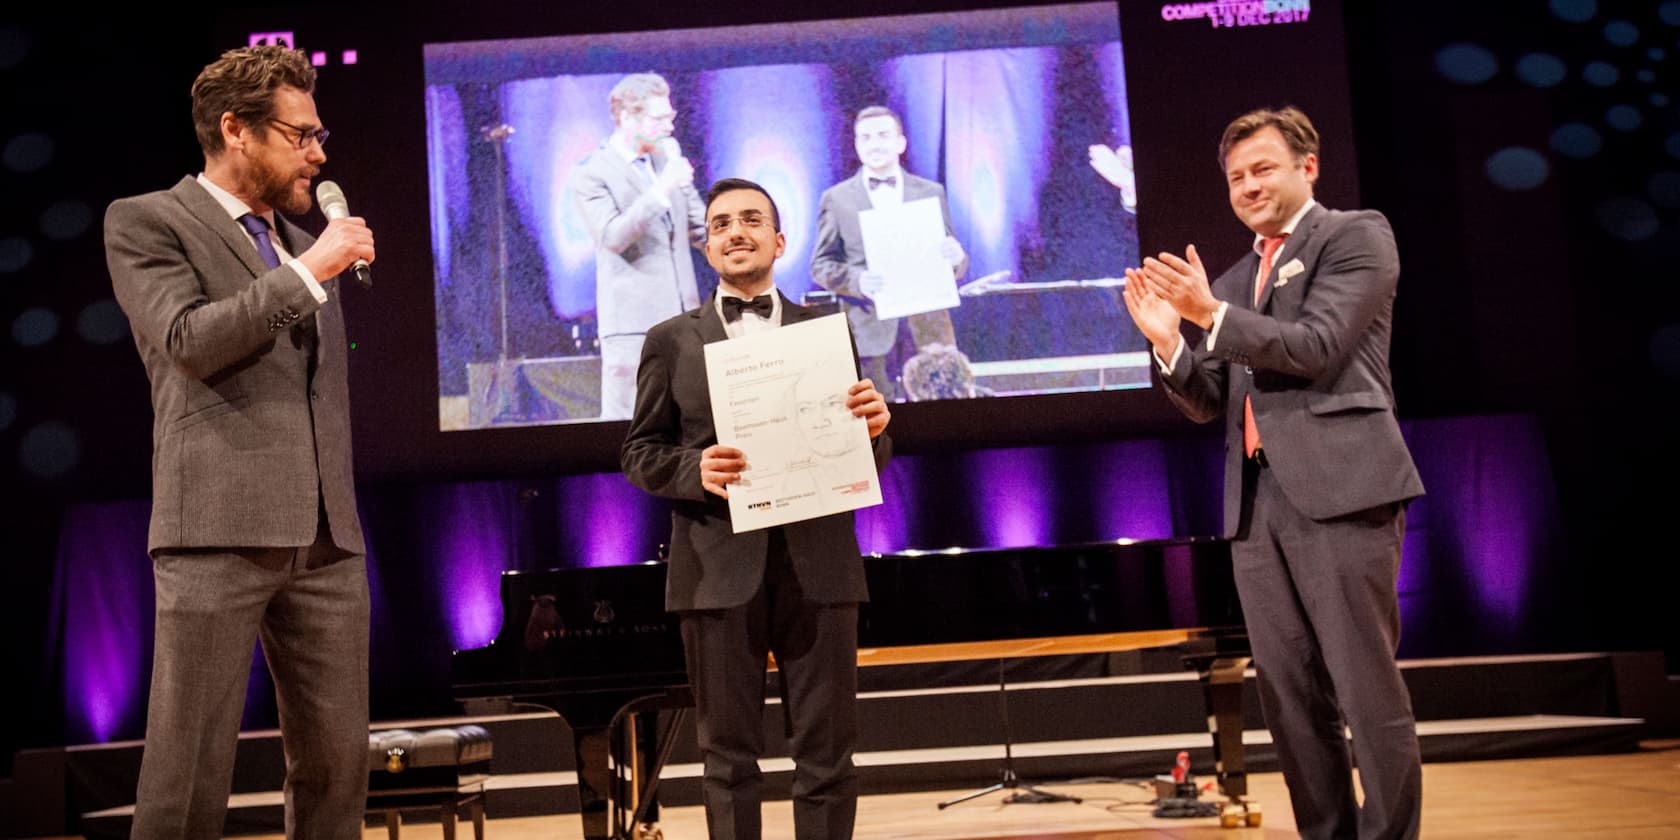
(749, 221)
(304, 135)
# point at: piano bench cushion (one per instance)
(452, 758)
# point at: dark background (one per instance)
(1556, 299)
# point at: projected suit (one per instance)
(254, 529)
(839, 263)
(1318, 512)
(644, 215)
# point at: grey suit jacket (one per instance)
(644, 270)
(247, 445)
(711, 567)
(838, 258)
(1314, 359)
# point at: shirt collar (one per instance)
(622, 149)
(1288, 229)
(234, 207)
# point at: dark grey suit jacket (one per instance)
(711, 567)
(246, 444)
(1314, 359)
(838, 258)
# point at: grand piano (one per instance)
(596, 646)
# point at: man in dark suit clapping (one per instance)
(1292, 349)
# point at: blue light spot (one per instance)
(1624, 117)
(1659, 100)
(1664, 188)
(1628, 219)
(66, 219)
(1541, 69)
(1621, 33)
(1665, 350)
(1577, 140)
(27, 152)
(1517, 168)
(8, 410)
(35, 327)
(1656, 53)
(1574, 11)
(102, 322)
(15, 253)
(1670, 13)
(1601, 74)
(1672, 145)
(50, 450)
(1645, 76)
(1466, 64)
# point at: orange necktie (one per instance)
(1268, 250)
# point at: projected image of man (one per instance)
(839, 263)
(636, 196)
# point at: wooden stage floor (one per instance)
(1629, 796)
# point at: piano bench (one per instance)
(443, 768)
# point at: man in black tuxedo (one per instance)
(790, 590)
(1292, 349)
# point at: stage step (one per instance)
(948, 733)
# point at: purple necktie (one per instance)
(259, 232)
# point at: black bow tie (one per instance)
(732, 307)
(890, 180)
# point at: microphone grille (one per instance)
(328, 192)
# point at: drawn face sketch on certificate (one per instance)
(779, 396)
(822, 416)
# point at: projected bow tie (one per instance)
(732, 307)
(890, 180)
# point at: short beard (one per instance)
(275, 190)
(745, 279)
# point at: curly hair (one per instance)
(242, 82)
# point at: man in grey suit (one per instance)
(791, 590)
(254, 530)
(839, 264)
(1292, 347)
(637, 198)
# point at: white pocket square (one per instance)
(1290, 269)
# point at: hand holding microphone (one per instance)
(347, 241)
(677, 169)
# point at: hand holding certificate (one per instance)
(780, 396)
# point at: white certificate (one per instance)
(902, 245)
(779, 396)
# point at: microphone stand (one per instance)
(501, 378)
(496, 135)
(1024, 793)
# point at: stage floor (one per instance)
(1630, 796)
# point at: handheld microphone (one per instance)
(331, 198)
(670, 148)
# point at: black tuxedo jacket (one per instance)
(711, 567)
